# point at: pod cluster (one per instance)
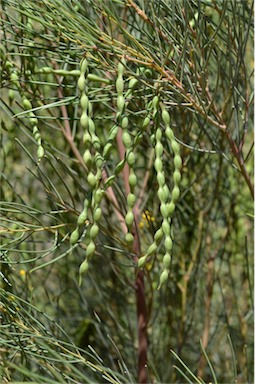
(94, 162)
(167, 199)
(33, 121)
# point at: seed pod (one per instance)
(119, 85)
(84, 267)
(166, 227)
(93, 231)
(98, 196)
(90, 249)
(158, 164)
(132, 180)
(167, 260)
(177, 162)
(163, 278)
(84, 101)
(175, 194)
(161, 178)
(126, 138)
(129, 238)
(40, 153)
(131, 199)
(74, 236)
(84, 120)
(177, 177)
(120, 103)
(152, 249)
(158, 135)
(168, 243)
(92, 180)
(87, 157)
(171, 208)
(175, 147)
(164, 210)
(142, 261)
(165, 117)
(131, 159)
(97, 214)
(129, 218)
(124, 122)
(27, 104)
(81, 83)
(158, 235)
(159, 149)
(83, 216)
(146, 122)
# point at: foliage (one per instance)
(126, 191)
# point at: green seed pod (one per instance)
(84, 120)
(177, 162)
(93, 231)
(170, 208)
(164, 210)
(129, 238)
(97, 214)
(87, 157)
(121, 67)
(98, 196)
(166, 227)
(161, 178)
(119, 85)
(175, 147)
(120, 103)
(40, 152)
(93, 77)
(129, 218)
(159, 149)
(46, 70)
(107, 149)
(177, 177)
(84, 267)
(126, 139)
(83, 216)
(132, 180)
(146, 122)
(175, 194)
(158, 164)
(90, 250)
(81, 83)
(131, 199)
(74, 236)
(84, 65)
(84, 101)
(167, 260)
(166, 117)
(26, 103)
(131, 159)
(158, 134)
(92, 180)
(155, 102)
(87, 139)
(152, 249)
(168, 243)
(142, 261)
(163, 278)
(132, 83)
(158, 235)
(124, 122)
(169, 133)
(83, 270)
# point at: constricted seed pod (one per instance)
(131, 199)
(163, 278)
(168, 243)
(92, 180)
(132, 180)
(83, 268)
(142, 261)
(167, 260)
(129, 218)
(97, 214)
(165, 117)
(158, 164)
(93, 231)
(175, 147)
(177, 177)
(74, 236)
(90, 249)
(152, 249)
(175, 194)
(129, 238)
(81, 83)
(126, 139)
(177, 162)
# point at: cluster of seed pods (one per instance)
(33, 121)
(167, 199)
(94, 162)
